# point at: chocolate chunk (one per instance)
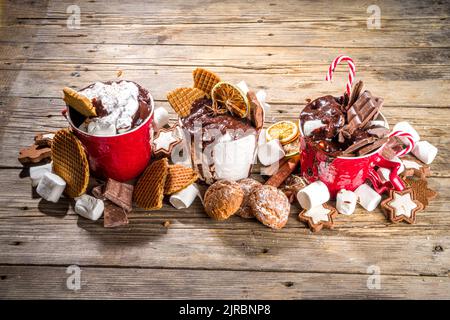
(119, 193)
(44, 139)
(356, 91)
(97, 192)
(114, 216)
(364, 109)
(378, 131)
(358, 145)
(256, 110)
(372, 147)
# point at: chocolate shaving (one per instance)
(372, 147)
(364, 109)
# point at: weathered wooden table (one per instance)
(283, 47)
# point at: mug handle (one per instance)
(395, 182)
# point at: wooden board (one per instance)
(282, 47)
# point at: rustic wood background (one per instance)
(283, 47)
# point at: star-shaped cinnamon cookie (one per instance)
(318, 217)
(421, 190)
(164, 141)
(402, 206)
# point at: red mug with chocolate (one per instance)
(341, 144)
(118, 140)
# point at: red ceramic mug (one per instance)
(121, 157)
(346, 172)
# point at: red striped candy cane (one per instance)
(351, 72)
(408, 137)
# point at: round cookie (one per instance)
(223, 199)
(247, 185)
(270, 206)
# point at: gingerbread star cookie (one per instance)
(402, 206)
(421, 190)
(165, 140)
(415, 168)
(319, 217)
(34, 154)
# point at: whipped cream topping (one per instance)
(120, 101)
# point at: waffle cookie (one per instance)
(205, 80)
(181, 99)
(178, 178)
(149, 190)
(79, 102)
(70, 162)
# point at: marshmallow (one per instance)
(311, 125)
(101, 129)
(270, 152)
(384, 173)
(346, 202)
(51, 187)
(36, 173)
(120, 101)
(261, 96)
(89, 207)
(243, 86)
(406, 127)
(368, 198)
(184, 198)
(160, 118)
(233, 159)
(262, 139)
(425, 151)
(313, 195)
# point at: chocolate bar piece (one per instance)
(120, 194)
(356, 91)
(97, 192)
(114, 216)
(256, 110)
(358, 145)
(379, 132)
(372, 147)
(364, 109)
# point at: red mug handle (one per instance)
(395, 182)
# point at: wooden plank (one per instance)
(292, 85)
(33, 231)
(134, 56)
(31, 282)
(331, 34)
(151, 12)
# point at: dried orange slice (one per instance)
(285, 131)
(230, 97)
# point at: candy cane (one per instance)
(408, 137)
(351, 72)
